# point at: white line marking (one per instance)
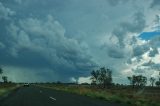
(52, 98)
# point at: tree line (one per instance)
(102, 77)
(140, 81)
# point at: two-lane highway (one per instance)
(36, 96)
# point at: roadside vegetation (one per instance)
(6, 86)
(102, 87)
(5, 89)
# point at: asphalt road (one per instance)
(36, 96)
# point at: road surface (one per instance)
(36, 96)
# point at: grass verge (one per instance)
(118, 96)
(6, 89)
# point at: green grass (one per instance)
(7, 88)
(125, 96)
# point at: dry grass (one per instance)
(126, 96)
(6, 88)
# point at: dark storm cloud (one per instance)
(46, 39)
(155, 3)
(36, 43)
(39, 43)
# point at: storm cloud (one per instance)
(53, 40)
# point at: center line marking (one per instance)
(52, 98)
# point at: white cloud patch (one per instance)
(84, 80)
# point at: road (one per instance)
(36, 96)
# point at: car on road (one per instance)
(26, 85)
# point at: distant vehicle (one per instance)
(26, 85)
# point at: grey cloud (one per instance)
(155, 3)
(139, 50)
(2, 46)
(112, 49)
(150, 63)
(116, 2)
(18, 1)
(156, 66)
(115, 52)
(155, 42)
(153, 52)
(139, 70)
(5, 12)
(135, 26)
(33, 40)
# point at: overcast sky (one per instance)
(64, 40)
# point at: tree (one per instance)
(105, 77)
(138, 81)
(1, 71)
(108, 81)
(152, 81)
(141, 80)
(102, 77)
(132, 80)
(158, 83)
(5, 79)
(94, 77)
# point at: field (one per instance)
(147, 96)
(5, 89)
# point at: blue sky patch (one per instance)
(149, 35)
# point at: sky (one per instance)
(64, 40)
